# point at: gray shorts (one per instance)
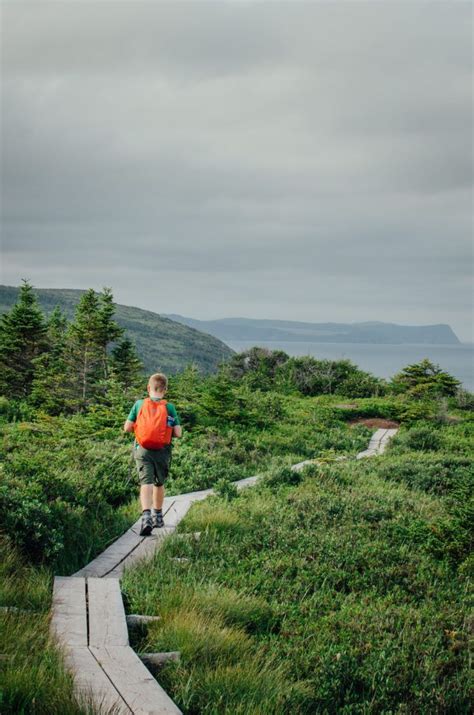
(153, 464)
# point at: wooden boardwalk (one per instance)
(378, 443)
(89, 622)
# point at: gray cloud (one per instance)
(290, 160)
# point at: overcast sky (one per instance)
(306, 161)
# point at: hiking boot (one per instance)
(157, 520)
(147, 525)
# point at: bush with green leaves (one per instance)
(424, 380)
(435, 473)
(324, 377)
(422, 438)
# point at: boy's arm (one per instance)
(129, 425)
(177, 429)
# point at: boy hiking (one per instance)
(155, 422)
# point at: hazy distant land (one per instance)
(287, 330)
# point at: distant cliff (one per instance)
(287, 330)
(161, 343)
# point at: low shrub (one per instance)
(282, 476)
(432, 473)
(423, 438)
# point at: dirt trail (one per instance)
(378, 422)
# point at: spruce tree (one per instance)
(88, 339)
(84, 347)
(425, 379)
(108, 330)
(22, 339)
(125, 364)
(51, 389)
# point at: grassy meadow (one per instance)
(345, 589)
(341, 589)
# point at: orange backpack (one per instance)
(151, 427)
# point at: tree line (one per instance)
(64, 366)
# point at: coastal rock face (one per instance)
(161, 343)
(287, 330)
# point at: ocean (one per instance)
(381, 360)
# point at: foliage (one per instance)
(32, 678)
(263, 369)
(258, 365)
(162, 344)
(464, 399)
(125, 365)
(50, 389)
(224, 488)
(60, 367)
(56, 478)
(424, 379)
(423, 438)
(325, 377)
(89, 335)
(22, 339)
(302, 586)
(360, 575)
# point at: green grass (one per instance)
(343, 589)
(352, 587)
(32, 676)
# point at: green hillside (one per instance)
(162, 344)
(343, 589)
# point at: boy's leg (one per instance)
(162, 459)
(146, 496)
(145, 473)
(158, 497)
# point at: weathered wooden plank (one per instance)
(151, 543)
(246, 482)
(177, 512)
(107, 624)
(376, 438)
(367, 453)
(138, 688)
(109, 559)
(145, 550)
(389, 434)
(92, 686)
(386, 439)
(301, 465)
(69, 611)
(114, 553)
(378, 443)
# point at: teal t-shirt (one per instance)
(173, 417)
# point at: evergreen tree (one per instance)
(87, 342)
(125, 365)
(108, 330)
(185, 390)
(84, 347)
(51, 388)
(22, 339)
(425, 379)
(220, 402)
